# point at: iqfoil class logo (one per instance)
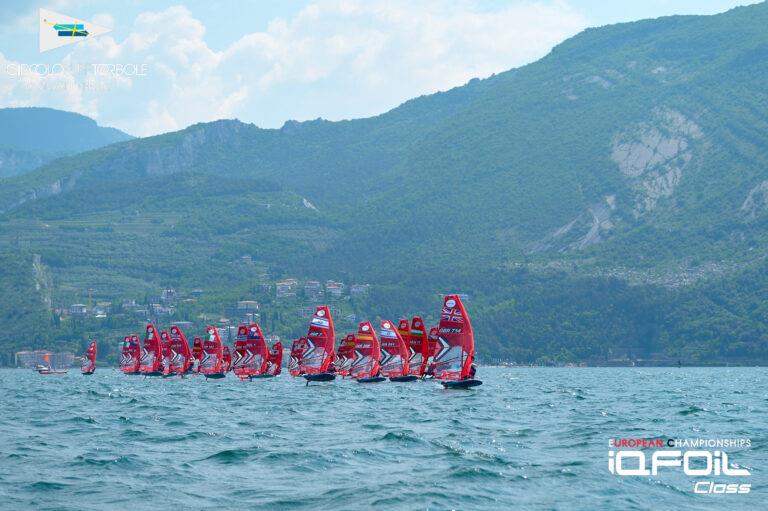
(58, 30)
(697, 457)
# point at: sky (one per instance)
(168, 64)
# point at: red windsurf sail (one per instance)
(367, 353)
(455, 342)
(298, 348)
(240, 361)
(394, 352)
(165, 345)
(434, 348)
(275, 359)
(213, 352)
(251, 353)
(226, 361)
(152, 351)
(197, 354)
(181, 357)
(130, 356)
(346, 355)
(89, 359)
(418, 345)
(320, 340)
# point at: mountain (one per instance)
(31, 137)
(602, 202)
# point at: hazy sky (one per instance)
(269, 61)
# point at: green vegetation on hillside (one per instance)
(608, 201)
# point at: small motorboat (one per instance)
(50, 370)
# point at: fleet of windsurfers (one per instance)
(446, 354)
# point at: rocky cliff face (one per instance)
(194, 145)
(654, 155)
(756, 203)
(14, 162)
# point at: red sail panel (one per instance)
(213, 352)
(367, 352)
(240, 362)
(433, 348)
(152, 352)
(418, 347)
(89, 359)
(251, 352)
(394, 352)
(130, 356)
(456, 342)
(226, 360)
(197, 354)
(346, 355)
(320, 340)
(165, 345)
(275, 359)
(298, 348)
(181, 360)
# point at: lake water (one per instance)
(528, 438)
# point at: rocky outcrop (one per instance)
(14, 162)
(195, 143)
(586, 229)
(53, 188)
(43, 280)
(654, 155)
(601, 222)
(756, 202)
(191, 147)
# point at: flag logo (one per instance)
(57, 30)
(453, 315)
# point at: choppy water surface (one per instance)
(528, 438)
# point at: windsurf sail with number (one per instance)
(275, 365)
(165, 345)
(320, 340)
(226, 361)
(89, 359)
(346, 355)
(367, 353)
(418, 346)
(197, 354)
(130, 356)
(455, 341)
(251, 352)
(394, 352)
(298, 348)
(181, 361)
(213, 352)
(152, 351)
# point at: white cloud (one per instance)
(335, 59)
